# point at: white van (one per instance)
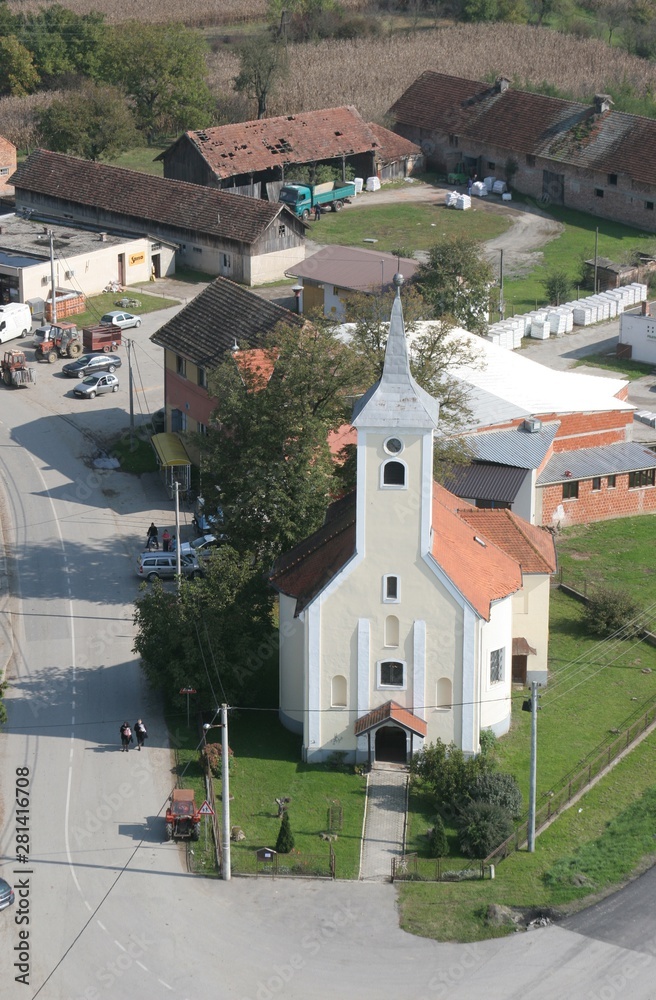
(15, 321)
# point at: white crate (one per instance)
(540, 329)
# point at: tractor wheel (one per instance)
(114, 347)
(195, 833)
(337, 206)
(7, 378)
(52, 357)
(169, 831)
(306, 214)
(74, 350)
(107, 349)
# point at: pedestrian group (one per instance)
(127, 735)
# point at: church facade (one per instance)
(398, 618)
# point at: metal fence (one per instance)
(294, 864)
(571, 785)
(412, 868)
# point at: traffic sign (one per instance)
(206, 809)
(187, 690)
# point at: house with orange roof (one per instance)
(409, 613)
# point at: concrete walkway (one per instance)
(387, 800)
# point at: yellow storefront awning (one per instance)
(170, 450)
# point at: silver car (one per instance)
(163, 566)
(95, 385)
(6, 894)
(122, 319)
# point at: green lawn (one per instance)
(268, 766)
(630, 370)
(137, 460)
(567, 252)
(411, 225)
(620, 551)
(98, 305)
(142, 158)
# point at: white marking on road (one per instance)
(165, 984)
(101, 925)
(141, 966)
(119, 945)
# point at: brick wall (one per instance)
(7, 165)
(601, 505)
(592, 430)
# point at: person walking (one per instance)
(141, 733)
(152, 538)
(317, 213)
(126, 737)
(166, 540)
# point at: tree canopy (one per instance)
(263, 65)
(455, 282)
(93, 121)
(18, 76)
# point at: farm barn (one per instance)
(214, 231)
(585, 156)
(253, 157)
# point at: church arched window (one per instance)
(394, 474)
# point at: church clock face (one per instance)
(393, 446)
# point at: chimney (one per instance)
(646, 309)
(502, 83)
(102, 237)
(602, 103)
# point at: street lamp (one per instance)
(225, 787)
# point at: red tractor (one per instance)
(63, 341)
(182, 816)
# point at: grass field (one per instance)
(620, 551)
(412, 225)
(630, 370)
(98, 305)
(142, 158)
(567, 252)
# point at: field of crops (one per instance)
(202, 12)
(373, 73)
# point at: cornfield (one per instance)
(194, 14)
(372, 74)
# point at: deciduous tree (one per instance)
(455, 282)
(162, 68)
(263, 65)
(93, 122)
(18, 76)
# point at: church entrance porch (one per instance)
(391, 745)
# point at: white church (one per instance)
(408, 615)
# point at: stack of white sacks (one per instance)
(479, 189)
(454, 199)
(550, 321)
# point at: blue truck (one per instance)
(303, 199)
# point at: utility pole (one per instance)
(225, 793)
(178, 568)
(595, 263)
(53, 290)
(534, 767)
(502, 307)
(131, 392)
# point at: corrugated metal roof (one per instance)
(588, 462)
(517, 446)
(486, 482)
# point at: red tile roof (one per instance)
(248, 147)
(531, 546)
(392, 146)
(482, 572)
(395, 713)
(132, 193)
(483, 556)
(256, 365)
(521, 122)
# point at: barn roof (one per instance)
(249, 147)
(154, 200)
(522, 122)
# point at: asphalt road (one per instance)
(111, 909)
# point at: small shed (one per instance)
(611, 274)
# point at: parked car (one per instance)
(40, 334)
(207, 524)
(96, 385)
(163, 566)
(6, 894)
(91, 364)
(202, 547)
(122, 319)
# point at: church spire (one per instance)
(396, 400)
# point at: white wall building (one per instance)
(397, 617)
